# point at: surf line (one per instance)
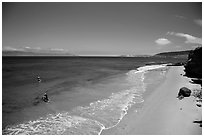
(133, 75)
(141, 70)
(103, 128)
(123, 111)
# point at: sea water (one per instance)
(93, 118)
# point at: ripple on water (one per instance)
(87, 120)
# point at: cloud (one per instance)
(180, 17)
(198, 22)
(162, 41)
(35, 49)
(189, 38)
(45, 50)
(8, 48)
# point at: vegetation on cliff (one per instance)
(193, 66)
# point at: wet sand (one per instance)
(162, 113)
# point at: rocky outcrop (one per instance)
(184, 92)
(193, 67)
(176, 64)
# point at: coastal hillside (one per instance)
(176, 54)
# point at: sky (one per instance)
(117, 28)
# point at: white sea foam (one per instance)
(92, 119)
(56, 125)
(151, 67)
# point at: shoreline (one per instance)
(131, 92)
(162, 113)
(151, 116)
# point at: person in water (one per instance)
(45, 97)
(39, 79)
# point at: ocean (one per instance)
(86, 94)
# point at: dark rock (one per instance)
(199, 105)
(179, 64)
(176, 64)
(197, 93)
(196, 81)
(198, 122)
(184, 92)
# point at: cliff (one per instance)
(193, 66)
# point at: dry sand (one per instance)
(162, 113)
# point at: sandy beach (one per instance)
(102, 68)
(162, 113)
